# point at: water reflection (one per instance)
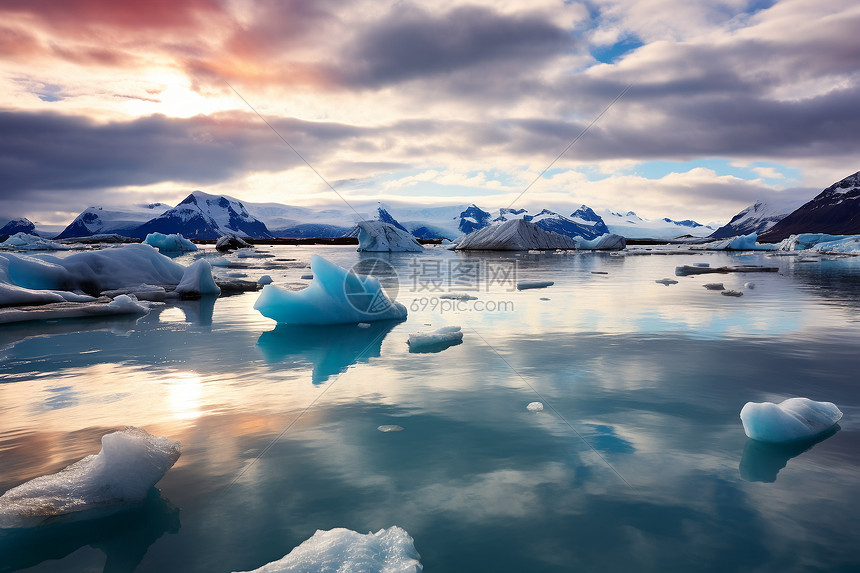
(124, 537)
(331, 349)
(762, 461)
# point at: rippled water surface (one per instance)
(638, 462)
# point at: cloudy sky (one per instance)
(443, 102)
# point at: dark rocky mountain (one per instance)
(21, 225)
(204, 216)
(757, 218)
(473, 218)
(835, 211)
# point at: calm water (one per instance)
(638, 462)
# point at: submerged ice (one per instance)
(130, 462)
(336, 296)
(789, 421)
(342, 550)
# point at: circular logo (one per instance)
(371, 286)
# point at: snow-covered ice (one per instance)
(121, 305)
(535, 407)
(523, 285)
(749, 285)
(435, 341)
(197, 280)
(27, 242)
(169, 243)
(390, 428)
(789, 421)
(130, 462)
(342, 550)
(515, 235)
(666, 282)
(335, 296)
(378, 236)
(714, 286)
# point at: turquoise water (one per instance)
(638, 461)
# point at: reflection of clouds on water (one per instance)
(762, 461)
(331, 348)
(123, 537)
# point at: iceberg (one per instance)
(230, 242)
(605, 242)
(335, 296)
(342, 550)
(515, 235)
(422, 342)
(169, 243)
(121, 305)
(197, 281)
(741, 243)
(806, 241)
(378, 236)
(25, 242)
(789, 421)
(129, 464)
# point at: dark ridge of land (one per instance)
(308, 241)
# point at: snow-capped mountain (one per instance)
(21, 225)
(473, 218)
(835, 211)
(204, 216)
(583, 223)
(757, 218)
(122, 221)
(632, 226)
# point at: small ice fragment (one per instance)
(666, 282)
(599, 273)
(732, 293)
(264, 280)
(307, 277)
(389, 550)
(714, 286)
(457, 296)
(230, 242)
(702, 265)
(435, 341)
(390, 428)
(535, 407)
(544, 298)
(791, 420)
(749, 286)
(129, 463)
(522, 285)
(364, 325)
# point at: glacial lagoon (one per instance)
(637, 462)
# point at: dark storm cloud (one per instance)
(411, 43)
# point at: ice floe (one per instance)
(606, 242)
(342, 550)
(730, 292)
(121, 305)
(457, 296)
(378, 236)
(741, 243)
(789, 421)
(25, 242)
(523, 285)
(336, 296)
(129, 464)
(169, 243)
(535, 407)
(197, 280)
(666, 282)
(390, 428)
(422, 342)
(714, 286)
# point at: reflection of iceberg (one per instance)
(331, 349)
(124, 538)
(762, 461)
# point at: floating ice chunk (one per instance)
(741, 243)
(605, 242)
(141, 292)
(457, 296)
(230, 242)
(812, 240)
(435, 341)
(264, 280)
(515, 235)
(714, 286)
(789, 421)
(197, 280)
(25, 242)
(378, 236)
(702, 265)
(345, 551)
(666, 282)
(12, 295)
(334, 297)
(60, 310)
(169, 243)
(544, 298)
(129, 463)
(390, 428)
(252, 253)
(363, 325)
(127, 304)
(730, 292)
(307, 277)
(749, 286)
(535, 407)
(523, 285)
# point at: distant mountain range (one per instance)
(757, 218)
(835, 211)
(205, 216)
